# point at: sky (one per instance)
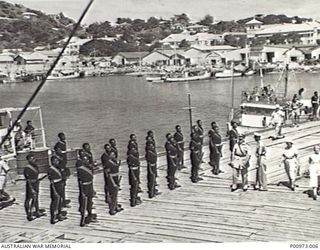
(103, 10)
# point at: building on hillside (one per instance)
(309, 32)
(75, 44)
(5, 62)
(129, 58)
(198, 28)
(315, 54)
(33, 62)
(165, 57)
(205, 39)
(253, 25)
(286, 53)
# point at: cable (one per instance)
(35, 93)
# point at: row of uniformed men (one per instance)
(58, 172)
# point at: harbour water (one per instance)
(97, 109)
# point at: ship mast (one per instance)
(286, 80)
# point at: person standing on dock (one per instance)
(200, 131)
(314, 171)
(277, 120)
(215, 147)
(240, 158)
(315, 105)
(233, 135)
(5, 198)
(151, 135)
(133, 162)
(133, 144)
(261, 175)
(291, 162)
(87, 151)
(114, 149)
(29, 135)
(195, 156)
(172, 163)
(56, 189)
(85, 178)
(151, 158)
(60, 150)
(31, 174)
(104, 162)
(113, 184)
(178, 137)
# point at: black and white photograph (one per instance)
(159, 121)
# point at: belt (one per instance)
(86, 183)
(289, 158)
(133, 168)
(32, 180)
(240, 155)
(116, 174)
(218, 144)
(56, 181)
(172, 156)
(261, 154)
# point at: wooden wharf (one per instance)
(197, 212)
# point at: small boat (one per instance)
(227, 73)
(188, 76)
(250, 73)
(155, 77)
(64, 75)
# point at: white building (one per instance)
(75, 44)
(309, 31)
(206, 39)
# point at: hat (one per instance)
(257, 135)
(289, 141)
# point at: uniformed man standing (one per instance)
(172, 154)
(113, 183)
(151, 135)
(133, 144)
(134, 171)
(113, 145)
(277, 120)
(85, 178)
(261, 176)
(195, 156)
(240, 158)
(151, 158)
(104, 161)
(233, 135)
(56, 189)
(215, 147)
(178, 137)
(31, 174)
(291, 162)
(87, 151)
(61, 152)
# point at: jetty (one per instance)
(203, 212)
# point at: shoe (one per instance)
(182, 167)
(30, 218)
(38, 214)
(140, 190)
(245, 188)
(62, 218)
(220, 171)
(63, 213)
(112, 212)
(66, 202)
(118, 210)
(138, 202)
(171, 188)
(293, 188)
(194, 181)
(233, 188)
(315, 197)
(200, 179)
(157, 192)
(177, 185)
(54, 221)
(262, 189)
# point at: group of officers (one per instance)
(59, 173)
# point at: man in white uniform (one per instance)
(277, 120)
(4, 169)
(291, 162)
(314, 170)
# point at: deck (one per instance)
(202, 212)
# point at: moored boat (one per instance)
(227, 73)
(188, 76)
(64, 75)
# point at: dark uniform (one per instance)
(178, 136)
(134, 171)
(114, 150)
(233, 138)
(113, 184)
(31, 174)
(196, 157)
(85, 178)
(151, 158)
(172, 162)
(60, 151)
(104, 161)
(56, 192)
(215, 147)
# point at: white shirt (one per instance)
(277, 116)
(290, 153)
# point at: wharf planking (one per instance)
(202, 212)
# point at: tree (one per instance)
(207, 20)
(138, 25)
(277, 39)
(184, 44)
(238, 41)
(121, 20)
(152, 22)
(293, 38)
